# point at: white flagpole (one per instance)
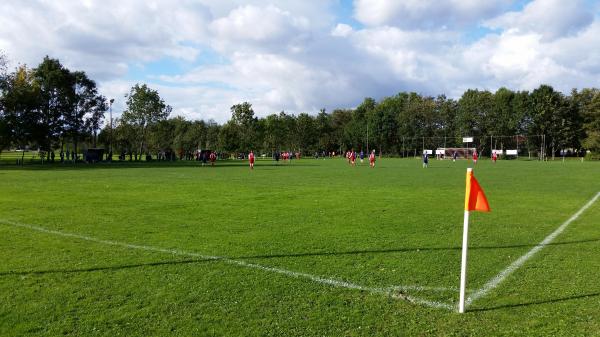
(463, 264)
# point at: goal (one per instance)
(461, 152)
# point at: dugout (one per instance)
(94, 155)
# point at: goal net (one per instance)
(461, 152)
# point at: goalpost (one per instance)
(461, 152)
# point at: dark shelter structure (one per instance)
(94, 155)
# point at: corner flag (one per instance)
(475, 200)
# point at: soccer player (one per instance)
(425, 160)
(475, 157)
(494, 157)
(353, 157)
(372, 159)
(251, 160)
(454, 155)
(362, 156)
(213, 157)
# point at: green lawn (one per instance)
(286, 237)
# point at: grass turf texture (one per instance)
(395, 225)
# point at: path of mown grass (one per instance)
(398, 224)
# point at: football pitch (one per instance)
(308, 248)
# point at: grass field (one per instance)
(312, 248)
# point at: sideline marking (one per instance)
(394, 292)
(496, 280)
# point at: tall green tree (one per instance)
(307, 133)
(124, 138)
(161, 136)
(212, 134)
(229, 137)
(421, 120)
(587, 101)
(180, 139)
(242, 115)
(356, 130)
(145, 108)
(58, 102)
(88, 108)
(446, 110)
(521, 108)
(324, 129)
(339, 119)
(554, 118)
(19, 114)
(274, 133)
(474, 110)
(382, 123)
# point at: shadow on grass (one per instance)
(354, 252)
(144, 164)
(526, 304)
(407, 249)
(102, 268)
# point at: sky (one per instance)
(203, 56)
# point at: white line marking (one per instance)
(393, 292)
(426, 289)
(495, 281)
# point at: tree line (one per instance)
(47, 106)
(52, 108)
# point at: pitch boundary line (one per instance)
(496, 280)
(394, 292)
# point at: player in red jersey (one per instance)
(251, 160)
(213, 157)
(475, 157)
(372, 159)
(353, 157)
(494, 157)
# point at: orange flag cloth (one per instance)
(475, 199)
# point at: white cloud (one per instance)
(341, 30)
(524, 60)
(429, 14)
(390, 38)
(101, 38)
(549, 18)
(298, 56)
(274, 83)
(318, 11)
(258, 24)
